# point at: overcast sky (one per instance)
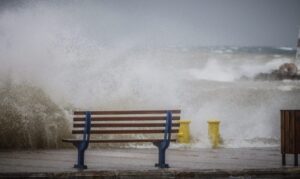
(183, 22)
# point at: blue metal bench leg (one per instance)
(83, 145)
(161, 158)
(164, 144)
(80, 160)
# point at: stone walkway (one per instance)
(142, 160)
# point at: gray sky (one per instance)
(184, 22)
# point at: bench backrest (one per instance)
(126, 122)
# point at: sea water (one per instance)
(45, 54)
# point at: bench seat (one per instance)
(117, 141)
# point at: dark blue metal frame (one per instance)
(164, 144)
(84, 143)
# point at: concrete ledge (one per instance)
(164, 173)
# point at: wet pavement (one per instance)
(143, 160)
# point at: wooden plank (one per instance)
(128, 112)
(282, 131)
(125, 125)
(286, 132)
(124, 131)
(292, 131)
(131, 118)
(297, 132)
(117, 140)
(290, 110)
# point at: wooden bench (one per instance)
(153, 126)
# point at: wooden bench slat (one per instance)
(126, 125)
(132, 118)
(123, 131)
(117, 141)
(128, 112)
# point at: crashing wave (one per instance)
(29, 119)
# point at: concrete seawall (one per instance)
(166, 173)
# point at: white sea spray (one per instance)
(47, 51)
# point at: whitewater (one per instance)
(50, 66)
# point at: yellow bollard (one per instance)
(184, 132)
(213, 133)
